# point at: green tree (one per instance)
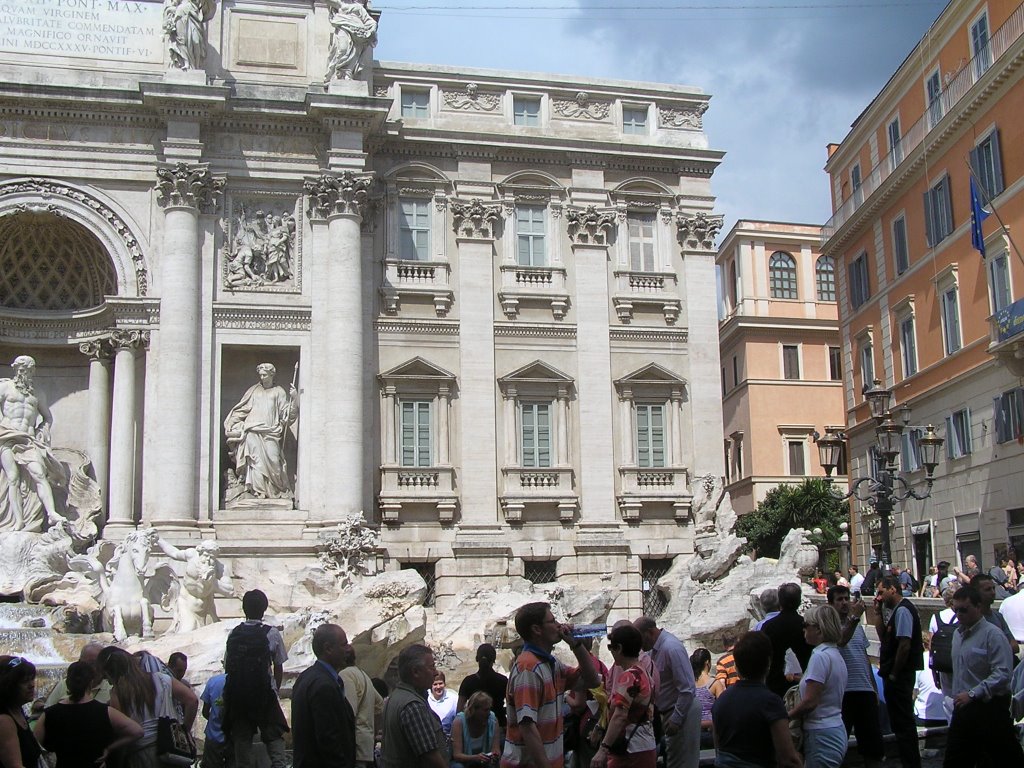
(808, 505)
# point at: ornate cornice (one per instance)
(475, 219)
(656, 335)
(80, 326)
(581, 108)
(699, 230)
(242, 317)
(188, 186)
(590, 226)
(426, 327)
(472, 99)
(333, 193)
(676, 117)
(534, 330)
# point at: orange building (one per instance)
(920, 307)
(780, 352)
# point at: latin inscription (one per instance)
(122, 30)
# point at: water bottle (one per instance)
(583, 631)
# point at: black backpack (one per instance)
(247, 664)
(940, 658)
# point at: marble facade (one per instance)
(496, 291)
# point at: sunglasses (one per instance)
(15, 662)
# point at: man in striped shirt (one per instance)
(725, 670)
(537, 684)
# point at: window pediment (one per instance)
(652, 374)
(536, 373)
(417, 372)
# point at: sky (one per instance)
(786, 77)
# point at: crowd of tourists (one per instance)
(788, 693)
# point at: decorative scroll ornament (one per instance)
(381, 90)
(96, 349)
(672, 117)
(589, 227)
(699, 229)
(190, 186)
(260, 250)
(334, 193)
(582, 108)
(475, 219)
(126, 339)
(45, 188)
(472, 99)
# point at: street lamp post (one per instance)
(886, 485)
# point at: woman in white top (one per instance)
(821, 691)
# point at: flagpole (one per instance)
(995, 212)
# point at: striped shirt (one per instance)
(725, 670)
(537, 684)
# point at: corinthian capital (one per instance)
(590, 226)
(475, 219)
(96, 349)
(699, 230)
(332, 193)
(191, 186)
(125, 339)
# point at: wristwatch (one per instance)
(972, 694)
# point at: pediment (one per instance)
(417, 369)
(651, 374)
(538, 372)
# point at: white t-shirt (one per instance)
(828, 668)
(929, 702)
(945, 678)
(1012, 610)
(855, 582)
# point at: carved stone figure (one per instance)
(185, 31)
(260, 250)
(349, 551)
(194, 590)
(255, 430)
(354, 30)
(30, 471)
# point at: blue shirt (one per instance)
(213, 694)
(858, 670)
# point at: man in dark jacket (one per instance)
(786, 631)
(323, 724)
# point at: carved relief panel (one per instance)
(261, 245)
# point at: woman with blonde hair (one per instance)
(476, 737)
(821, 691)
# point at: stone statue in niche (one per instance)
(30, 471)
(256, 430)
(260, 250)
(185, 31)
(191, 596)
(354, 30)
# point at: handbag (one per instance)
(174, 744)
(796, 724)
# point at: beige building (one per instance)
(781, 364)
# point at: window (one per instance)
(999, 281)
(835, 364)
(531, 224)
(641, 242)
(540, 571)
(958, 434)
(535, 434)
(938, 212)
(427, 572)
(1009, 415)
(654, 599)
(415, 433)
(951, 318)
(867, 364)
(855, 184)
(795, 451)
(895, 143)
(910, 449)
(980, 47)
(634, 120)
(860, 287)
(899, 244)
(650, 435)
(735, 371)
(414, 230)
(737, 456)
(790, 361)
(933, 89)
(415, 103)
(526, 111)
(825, 278)
(782, 275)
(725, 386)
(987, 164)
(728, 464)
(908, 344)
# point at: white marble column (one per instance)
(339, 323)
(390, 426)
(185, 190)
(98, 424)
(121, 510)
(444, 394)
(563, 427)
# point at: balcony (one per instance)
(654, 485)
(529, 485)
(431, 279)
(407, 486)
(1006, 337)
(546, 285)
(956, 89)
(660, 289)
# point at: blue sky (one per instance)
(786, 76)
